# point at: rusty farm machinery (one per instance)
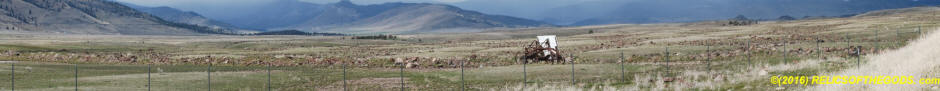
(545, 49)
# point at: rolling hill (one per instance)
(345, 16)
(87, 17)
(179, 16)
(602, 12)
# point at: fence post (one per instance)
(401, 75)
(623, 71)
(344, 76)
(785, 52)
(524, 72)
(462, 83)
(818, 51)
(76, 77)
(572, 68)
(708, 56)
(149, 69)
(209, 76)
(13, 76)
(666, 58)
(747, 50)
(858, 57)
(269, 76)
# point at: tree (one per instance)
(740, 17)
(786, 18)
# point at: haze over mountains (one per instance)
(179, 16)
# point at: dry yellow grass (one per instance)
(916, 59)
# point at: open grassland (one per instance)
(700, 56)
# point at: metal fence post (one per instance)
(818, 51)
(747, 49)
(572, 69)
(13, 76)
(667, 60)
(269, 76)
(623, 71)
(858, 60)
(708, 57)
(818, 55)
(401, 73)
(785, 52)
(462, 83)
(149, 69)
(209, 77)
(76, 77)
(344, 76)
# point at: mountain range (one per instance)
(111, 17)
(601, 12)
(87, 17)
(347, 17)
(180, 16)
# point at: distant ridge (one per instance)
(179, 16)
(88, 17)
(407, 18)
(347, 17)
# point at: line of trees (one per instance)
(383, 37)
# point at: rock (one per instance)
(399, 61)
(669, 79)
(411, 65)
(29, 69)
